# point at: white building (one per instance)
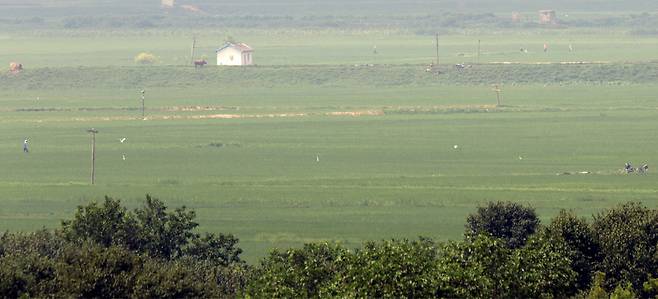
(168, 3)
(235, 54)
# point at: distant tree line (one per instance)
(420, 24)
(109, 251)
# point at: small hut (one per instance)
(15, 67)
(168, 4)
(547, 17)
(516, 17)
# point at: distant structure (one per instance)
(547, 17)
(168, 4)
(235, 54)
(191, 8)
(516, 17)
(15, 67)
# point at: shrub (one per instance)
(146, 58)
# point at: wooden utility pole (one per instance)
(143, 105)
(437, 49)
(193, 49)
(478, 55)
(93, 154)
(498, 97)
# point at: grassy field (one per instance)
(240, 146)
(324, 47)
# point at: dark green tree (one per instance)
(582, 245)
(484, 267)
(107, 224)
(163, 234)
(628, 236)
(219, 249)
(26, 275)
(92, 271)
(509, 221)
(179, 278)
(390, 269)
(298, 273)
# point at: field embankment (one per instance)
(342, 75)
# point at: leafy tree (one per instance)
(220, 249)
(150, 229)
(597, 290)
(543, 270)
(625, 292)
(174, 279)
(650, 287)
(628, 236)
(163, 234)
(26, 275)
(484, 267)
(581, 243)
(107, 224)
(41, 242)
(92, 271)
(509, 221)
(474, 268)
(390, 269)
(298, 273)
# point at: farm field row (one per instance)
(395, 173)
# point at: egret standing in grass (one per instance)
(123, 156)
(317, 158)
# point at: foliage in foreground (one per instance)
(108, 251)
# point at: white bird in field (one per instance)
(122, 140)
(123, 157)
(455, 146)
(317, 158)
(520, 158)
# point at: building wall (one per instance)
(247, 58)
(229, 56)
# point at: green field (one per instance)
(240, 146)
(326, 47)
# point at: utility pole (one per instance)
(478, 55)
(93, 154)
(143, 97)
(437, 49)
(193, 48)
(498, 97)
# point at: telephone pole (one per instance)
(193, 48)
(93, 154)
(437, 49)
(143, 108)
(478, 55)
(498, 97)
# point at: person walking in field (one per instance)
(545, 47)
(25, 149)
